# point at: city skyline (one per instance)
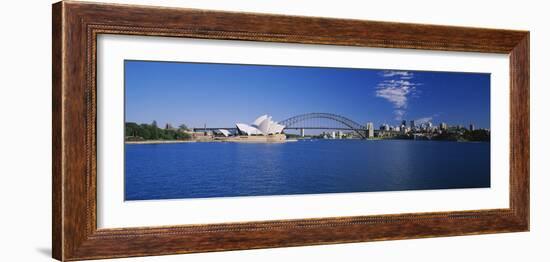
(222, 94)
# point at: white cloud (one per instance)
(397, 95)
(397, 87)
(399, 114)
(391, 73)
(423, 120)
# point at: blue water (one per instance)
(200, 170)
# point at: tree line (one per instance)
(478, 135)
(139, 132)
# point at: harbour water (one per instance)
(202, 170)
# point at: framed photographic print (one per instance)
(182, 130)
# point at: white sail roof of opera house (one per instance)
(225, 132)
(263, 125)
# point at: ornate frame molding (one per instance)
(76, 26)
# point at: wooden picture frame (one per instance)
(76, 26)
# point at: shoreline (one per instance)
(160, 142)
(152, 142)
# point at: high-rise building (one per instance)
(384, 127)
(443, 126)
(412, 125)
(404, 123)
(370, 130)
(472, 127)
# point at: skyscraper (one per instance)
(370, 130)
(472, 127)
(412, 125)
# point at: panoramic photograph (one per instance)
(204, 130)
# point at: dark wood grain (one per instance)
(519, 129)
(76, 26)
(57, 190)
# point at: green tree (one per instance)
(154, 130)
(145, 132)
(137, 132)
(477, 135)
(131, 129)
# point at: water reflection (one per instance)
(198, 170)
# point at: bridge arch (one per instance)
(356, 127)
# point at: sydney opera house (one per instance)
(263, 125)
(263, 129)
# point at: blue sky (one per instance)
(219, 95)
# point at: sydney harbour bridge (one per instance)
(318, 121)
